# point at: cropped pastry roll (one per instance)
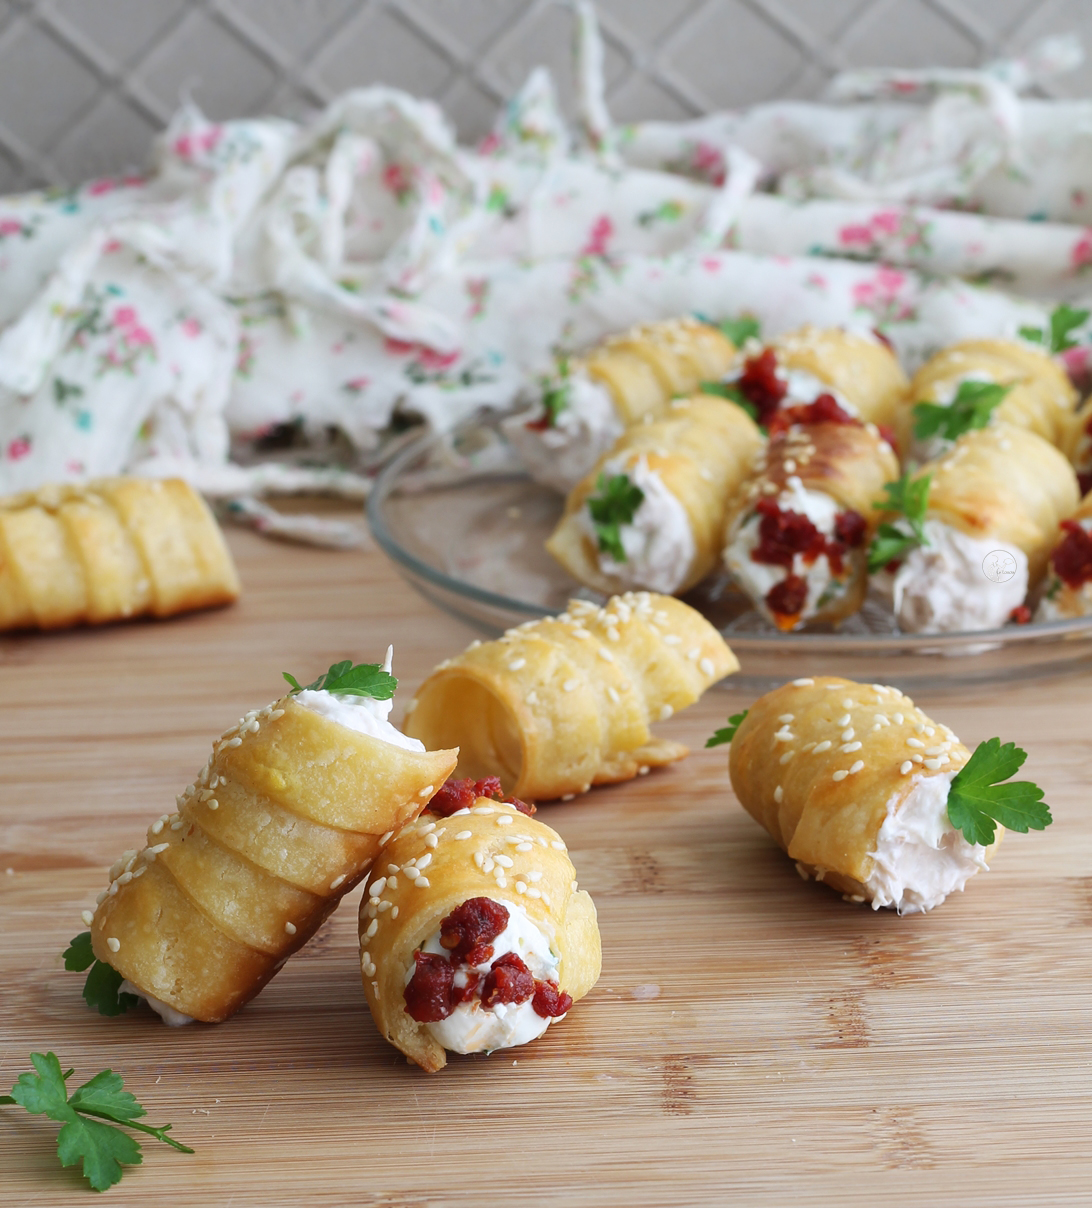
(852, 782)
(115, 548)
(1077, 445)
(560, 704)
(283, 820)
(1068, 589)
(797, 536)
(995, 502)
(665, 489)
(1039, 398)
(590, 401)
(473, 934)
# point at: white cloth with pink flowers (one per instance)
(270, 281)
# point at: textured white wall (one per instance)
(84, 84)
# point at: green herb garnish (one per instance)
(615, 504)
(971, 408)
(977, 799)
(909, 497)
(740, 330)
(102, 989)
(728, 732)
(733, 394)
(364, 679)
(102, 1148)
(1063, 320)
(556, 391)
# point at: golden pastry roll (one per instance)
(560, 704)
(1067, 592)
(283, 820)
(113, 549)
(797, 538)
(1077, 444)
(1037, 394)
(474, 934)
(652, 511)
(852, 782)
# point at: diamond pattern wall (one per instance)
(84, 84)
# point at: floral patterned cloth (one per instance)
(323, 276)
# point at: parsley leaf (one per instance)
(733, 394)
(615, 504)
(971, 408)
(977, 799)
(728, 732)
(556, 391)
(910, 497)
(740, 330)
(1063, 320)
(365, 679)
(102, 989)
(102, 1148)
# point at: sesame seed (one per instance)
(422, 883)
(672, 639)
(427, 829)
(504, 820)
(786, 757)
(535, 874)
(373, 927)
(933, 764)
(914, 742)
(101, 898)
(916, 758)
(231, 742)
(899, 719)
(157, 827)
(905, 766)
(557, 845)
(517, 664)
(706, 666)
(665, 712)
(214, 804)
(847, 734)
(386, 839)
(487, 864)
(87, 917)
(177, 826)
(844, 720)
(464, 834)
(431, 841)
(605, 654)
(787, 717)
(505, 861)
(929, 730)
(937, 750)
(570, 684)
(613, 695)
(784, 735)
(643, 770)
(532, 698)
(502, 882)
(825, 745)
(392, 881)
(856, 767)
(521, 887)
(850, 746)
(378, 887)
(848, 704)
(393, 868)
(290, 928)
(567, 796)
(778, 794)
(803, 683)
(694, 655)
(384, 905)
(113, 944)
(841, 774)
(483, 809)
(424, 861)
(613, 634)
(525, 846)
(426, 790)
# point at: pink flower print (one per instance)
(398, 348)
(139, 336)
(708, 161)
(398, 179)
(1079, 258)
(431, 359)
(111, 246)
(600, 235)
(855, 235)
(125, 316)
(886, 221)
(18, 448)
(192, 327)
(489, 144)
(711, 264)
(183, 147)
(98, 187)
(356, 385)
(10, 226)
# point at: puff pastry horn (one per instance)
(283, 820)
(1077, 444)
(115, 548)
(851, 780)
(1067, 592)
(558, 705)
(490, 873)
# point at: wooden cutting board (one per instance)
(753, 1039)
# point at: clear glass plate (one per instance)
(465, 525)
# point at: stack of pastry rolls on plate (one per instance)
(109, 550)
(586, 405)
(1067, 591)
(560, 704)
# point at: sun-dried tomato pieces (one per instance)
(1072, 560)
(429, 991)
(825, 409)
(509, 981)
(783, 534)
(1020, 615)
(549, 1002)
(850, 528)
(469, 930)
(455, 795)
(468, 992)
(760, 385)
(787, 598)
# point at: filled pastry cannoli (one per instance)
(283, 820)
(560, 704)
(1068, 589)
(651, 513)
(797, 536)
(473, 933)
(870, 796)
(112, 549)
(977, 382)
(586, 405)
(974, 530)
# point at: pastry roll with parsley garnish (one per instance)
(1068, 589)
(797, 536)
(560, 704)
(283, 820)
(652, 511)
(588, 402)
(968, 534)
(977, 382)
(112, 549)
(474, 935)
(871, 796)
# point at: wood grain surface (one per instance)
(753, 1039)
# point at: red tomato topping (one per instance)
(1085, 482)
(549, 1002)
(760, 385)
(468, 992)
(509, 981)
(1021, 614)
(783, 534)
(539, 425)
(824, 410)
(888, 434)
(850, 528)
(1072, 560)
(469, 930)
(457, 795)
(787, 598)
(429, 991)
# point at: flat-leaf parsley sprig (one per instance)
(977, 800)
(910, 498)
(733, 394)
(102, 989)
(615, 503)
(556, 391)
(345, 679)
(728, 732)
(1063, 321)
(102, 1148)
(971, 408)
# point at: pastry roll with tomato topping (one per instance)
(283, 820)
(112, 549)
(560, 704)
(797, 537)
(652, 511)
(977, 382)
(474, 935)
(987, 516)
(1068, 588)
(853, 781)
(586, 405)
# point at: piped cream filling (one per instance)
(171, 1017)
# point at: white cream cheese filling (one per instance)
(920, 858)
(171, 1017)
(757, 578)
(472, 1028)
(658, 542)
(944, 586)
(801, 388)
(583, 430)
